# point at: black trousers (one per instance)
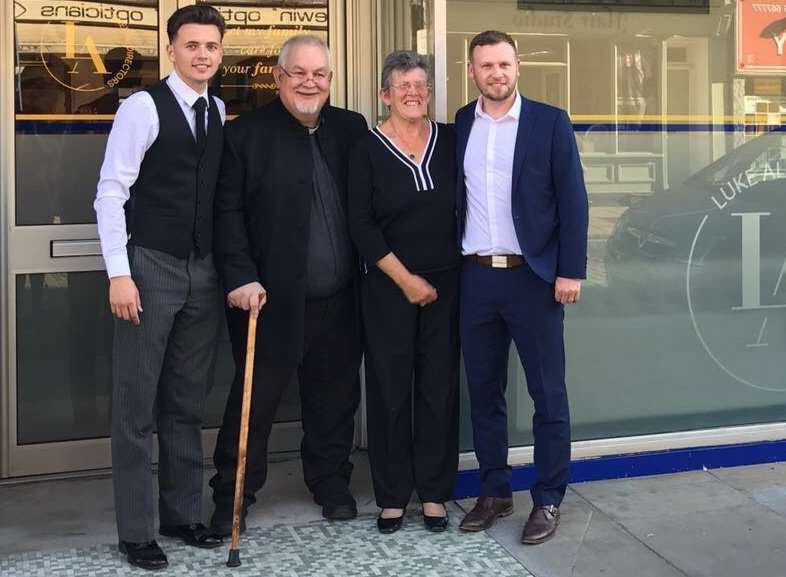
(329, 392)
(412, 364)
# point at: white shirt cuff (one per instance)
(117, 265)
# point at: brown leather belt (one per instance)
(497, 260)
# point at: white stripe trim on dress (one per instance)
(422, 170)
(394, 150)
(430, 152)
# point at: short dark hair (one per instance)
(489, 38)
(194, 14)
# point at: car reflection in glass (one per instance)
(718, 238)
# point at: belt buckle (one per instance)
(499, 261)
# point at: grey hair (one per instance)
(402, 61)
(302, 40)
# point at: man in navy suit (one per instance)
(522, 222)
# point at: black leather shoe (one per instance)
(435, 524)
(196, 535)
(340, 511)
(390, 524)
(221, 522)
(146, 555)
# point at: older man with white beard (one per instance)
(282, 247)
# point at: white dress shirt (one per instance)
(488, 176)
(134, 131)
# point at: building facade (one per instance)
(680, 338)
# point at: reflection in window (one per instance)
(637, 66)
(64, 361)
(682, 322)
(83, 57)
(64, 339)
(75, 63)
(255, 33)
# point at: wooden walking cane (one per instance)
(242, 445)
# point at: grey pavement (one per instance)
(716, 523)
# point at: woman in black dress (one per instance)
(402, 220)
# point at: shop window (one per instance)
(253, 40)
(681, 324)
(402, 25)
(544, 67)
(637, 95)
(74, 65)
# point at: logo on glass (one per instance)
(78, 58)
(735, 273)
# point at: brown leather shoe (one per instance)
(485, 512)
(541, 525)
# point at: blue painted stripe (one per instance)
(641, 464)
(50, 127)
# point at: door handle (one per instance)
(72, 248)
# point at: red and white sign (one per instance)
(761, 36)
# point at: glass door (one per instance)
(72, 63)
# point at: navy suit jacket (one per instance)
(549, 201)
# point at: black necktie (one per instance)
(201, 136)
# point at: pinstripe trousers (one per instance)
(159, 381)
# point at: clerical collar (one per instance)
(312, 130)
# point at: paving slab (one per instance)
(765, 484)
(55, 514)
(685, 493)
(746, 541)
(753, 475)
(587, 544)
(700, 523)
(286, 499)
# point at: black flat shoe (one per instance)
(339, 511)
(146, 555)
(196, 535)
(435, 524)
(390, 524)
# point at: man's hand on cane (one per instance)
(251, 296)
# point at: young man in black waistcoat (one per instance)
(155, 220)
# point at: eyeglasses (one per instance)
(300, 76)
(416, 86)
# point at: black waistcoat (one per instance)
(171, 204)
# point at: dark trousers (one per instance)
(411, 389)
(160, 380)
(497, 305)
(329, 395)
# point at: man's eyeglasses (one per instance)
(300, 76)
(416, 86)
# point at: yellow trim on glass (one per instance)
(755, 118)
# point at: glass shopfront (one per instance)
(682, 324)
(70, 64)
(677, 109)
